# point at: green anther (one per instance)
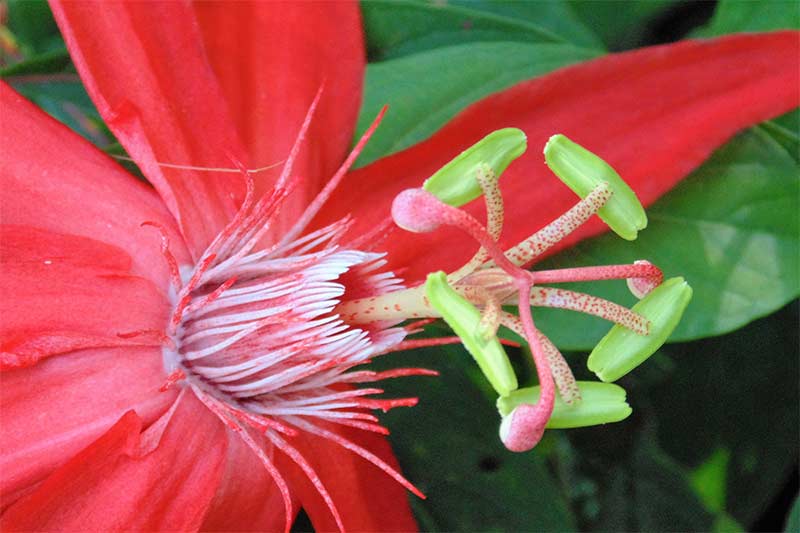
(601, 403)
(622, 350)
(464, 319)
(456, 183)
(582, 171)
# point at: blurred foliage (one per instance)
(402, 27)
(733, 16)
(621, 24)
(35, 62)
(713, 437)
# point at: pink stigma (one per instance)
(416, 210)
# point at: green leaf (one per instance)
(734, 16)
(663, 498)
(622, 24)
(68, 102)
(33, 25)
(449, 446)
(53, 61)
(401, 27)
(426, 90)
(785, 129)
(641, 488)
(737, 392)
(793, 522)
(725, 523)
(709, 479)
(731, 229)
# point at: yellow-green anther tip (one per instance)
(582, 171)
(601, 403)
(622, 350)
(464, 319)
(456, 183)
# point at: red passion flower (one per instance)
(172, 356)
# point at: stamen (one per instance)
(538, 243)
(591, 305)
(490, 319)
(562, 373)
(494, 220)
(640, 269)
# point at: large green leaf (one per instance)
(400, 27)
(426, 90)
(737, 393)
(793, 522)
(732, 16)
(621, 24)
(713, 435)
(55, 60)
(68, 102)
(731, 229)
(33, 26)
(636, 486)
(449, 446)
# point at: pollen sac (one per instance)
(464, 319)
(582, 171)
(601, 403)
(456, 183)
(622, 350)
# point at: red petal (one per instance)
(247, 498)
(146, 70)
(271, 58)
(366, 497)
(225, 79)
(127, 480)
(50, 178)
(654, 114)
(56, 408)
(63, 293)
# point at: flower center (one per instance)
(254, 331)
(257, 331)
